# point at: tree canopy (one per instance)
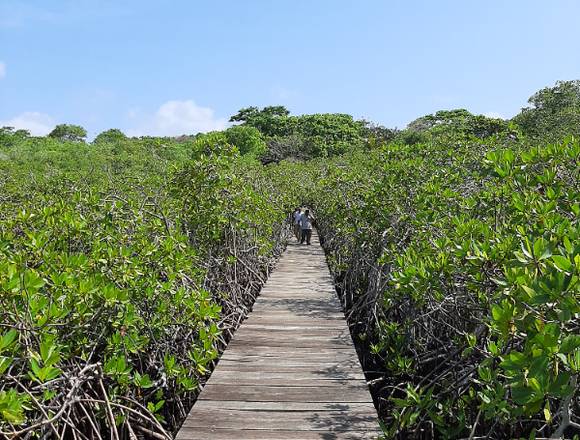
(10, 135)
(68, 132)
(322, 134)
(459, 121)
(553, 112)
(111, 135)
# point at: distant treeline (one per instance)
(273, 134)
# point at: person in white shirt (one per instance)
(296, 222)
(306, 227)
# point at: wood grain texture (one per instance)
(291, 371)
(277, 434)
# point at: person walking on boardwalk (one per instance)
(306, 221)
(296, 222)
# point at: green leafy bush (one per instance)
(124, 269)
(247, 139)
(458, 264)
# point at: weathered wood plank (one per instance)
(293, 380)
(298, 343)
(291, 370)
(313, 355)
(298, 326)
(310, 420)
(329, 338)
(307, 421)
(259, 362)
(264, 319)
(266, 393)
(290, 332)
(191, 433)
(282, 379)
(322, 370)
(304, 315)
(288, 351)
(286, 406)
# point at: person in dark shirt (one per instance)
(306, 221)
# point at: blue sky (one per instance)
(171, 67)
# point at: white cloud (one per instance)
(2, 70)
(39, 124)
(494, 115)
(175, 118)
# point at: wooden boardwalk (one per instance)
(291, 370)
